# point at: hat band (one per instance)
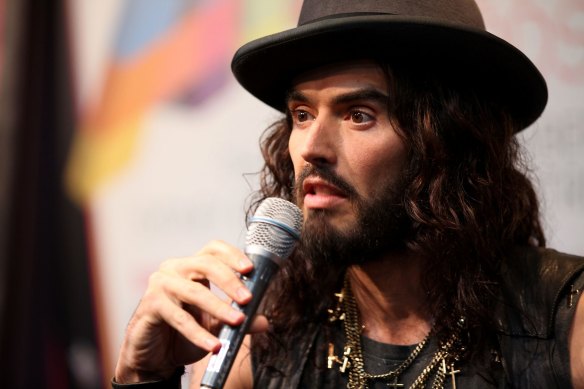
(344, 15)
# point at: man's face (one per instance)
(349, 161)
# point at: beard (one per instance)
(381, 224)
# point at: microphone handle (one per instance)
(231, 337)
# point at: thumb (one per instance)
(259, 324)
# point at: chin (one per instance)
(326, 219)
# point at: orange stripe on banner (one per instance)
(178, 60)
(110, 132)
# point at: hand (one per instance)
(178, 317)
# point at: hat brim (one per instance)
(266, 67)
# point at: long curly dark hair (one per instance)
(469, 201)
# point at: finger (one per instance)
(186, 325)
(228, 254)
(207, 268)
(201, 298)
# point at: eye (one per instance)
(360, 117)
(301, 116)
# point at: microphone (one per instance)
(271, 237)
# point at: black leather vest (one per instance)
(534, 319)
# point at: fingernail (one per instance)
(213, 344)
(245, 263)
(235, 315)
(243, 293)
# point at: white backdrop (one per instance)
(188, 184)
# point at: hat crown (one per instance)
(463, 12)
(445, 36)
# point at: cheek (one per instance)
(293, 149)
(380, 164)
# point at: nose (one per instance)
(319, 141)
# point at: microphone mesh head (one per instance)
(275, 226)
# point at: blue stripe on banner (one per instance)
(144, 21)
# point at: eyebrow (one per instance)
(294, 95)
(364, 94)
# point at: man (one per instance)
(421, 261)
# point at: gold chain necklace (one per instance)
(353, 361)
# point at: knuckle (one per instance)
(155, 279)
(223, 310)
(231, 280)
(150, 302)
(155, 304)
(213, 247)
(195, 290)
(169, 264)
(181, 318)
(217, 243)
(205, 250)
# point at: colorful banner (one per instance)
(170, 49)
(167, 145)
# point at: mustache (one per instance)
(326, 174)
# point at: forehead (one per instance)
(344, 75)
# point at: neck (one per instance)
(391, 300)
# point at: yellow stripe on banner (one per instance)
(107, 139)
(95, 155)
(268, 17)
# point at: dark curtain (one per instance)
(47, 331)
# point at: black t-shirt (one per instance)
(380, 358)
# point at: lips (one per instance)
(319, 194)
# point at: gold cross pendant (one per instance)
(332, 358)
(337, 313)
(394, 384)
(452, 372)
(346, 363)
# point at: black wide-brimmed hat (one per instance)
(448, 35)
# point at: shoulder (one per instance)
(577, 346)
(534, 281)
(539, 318)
